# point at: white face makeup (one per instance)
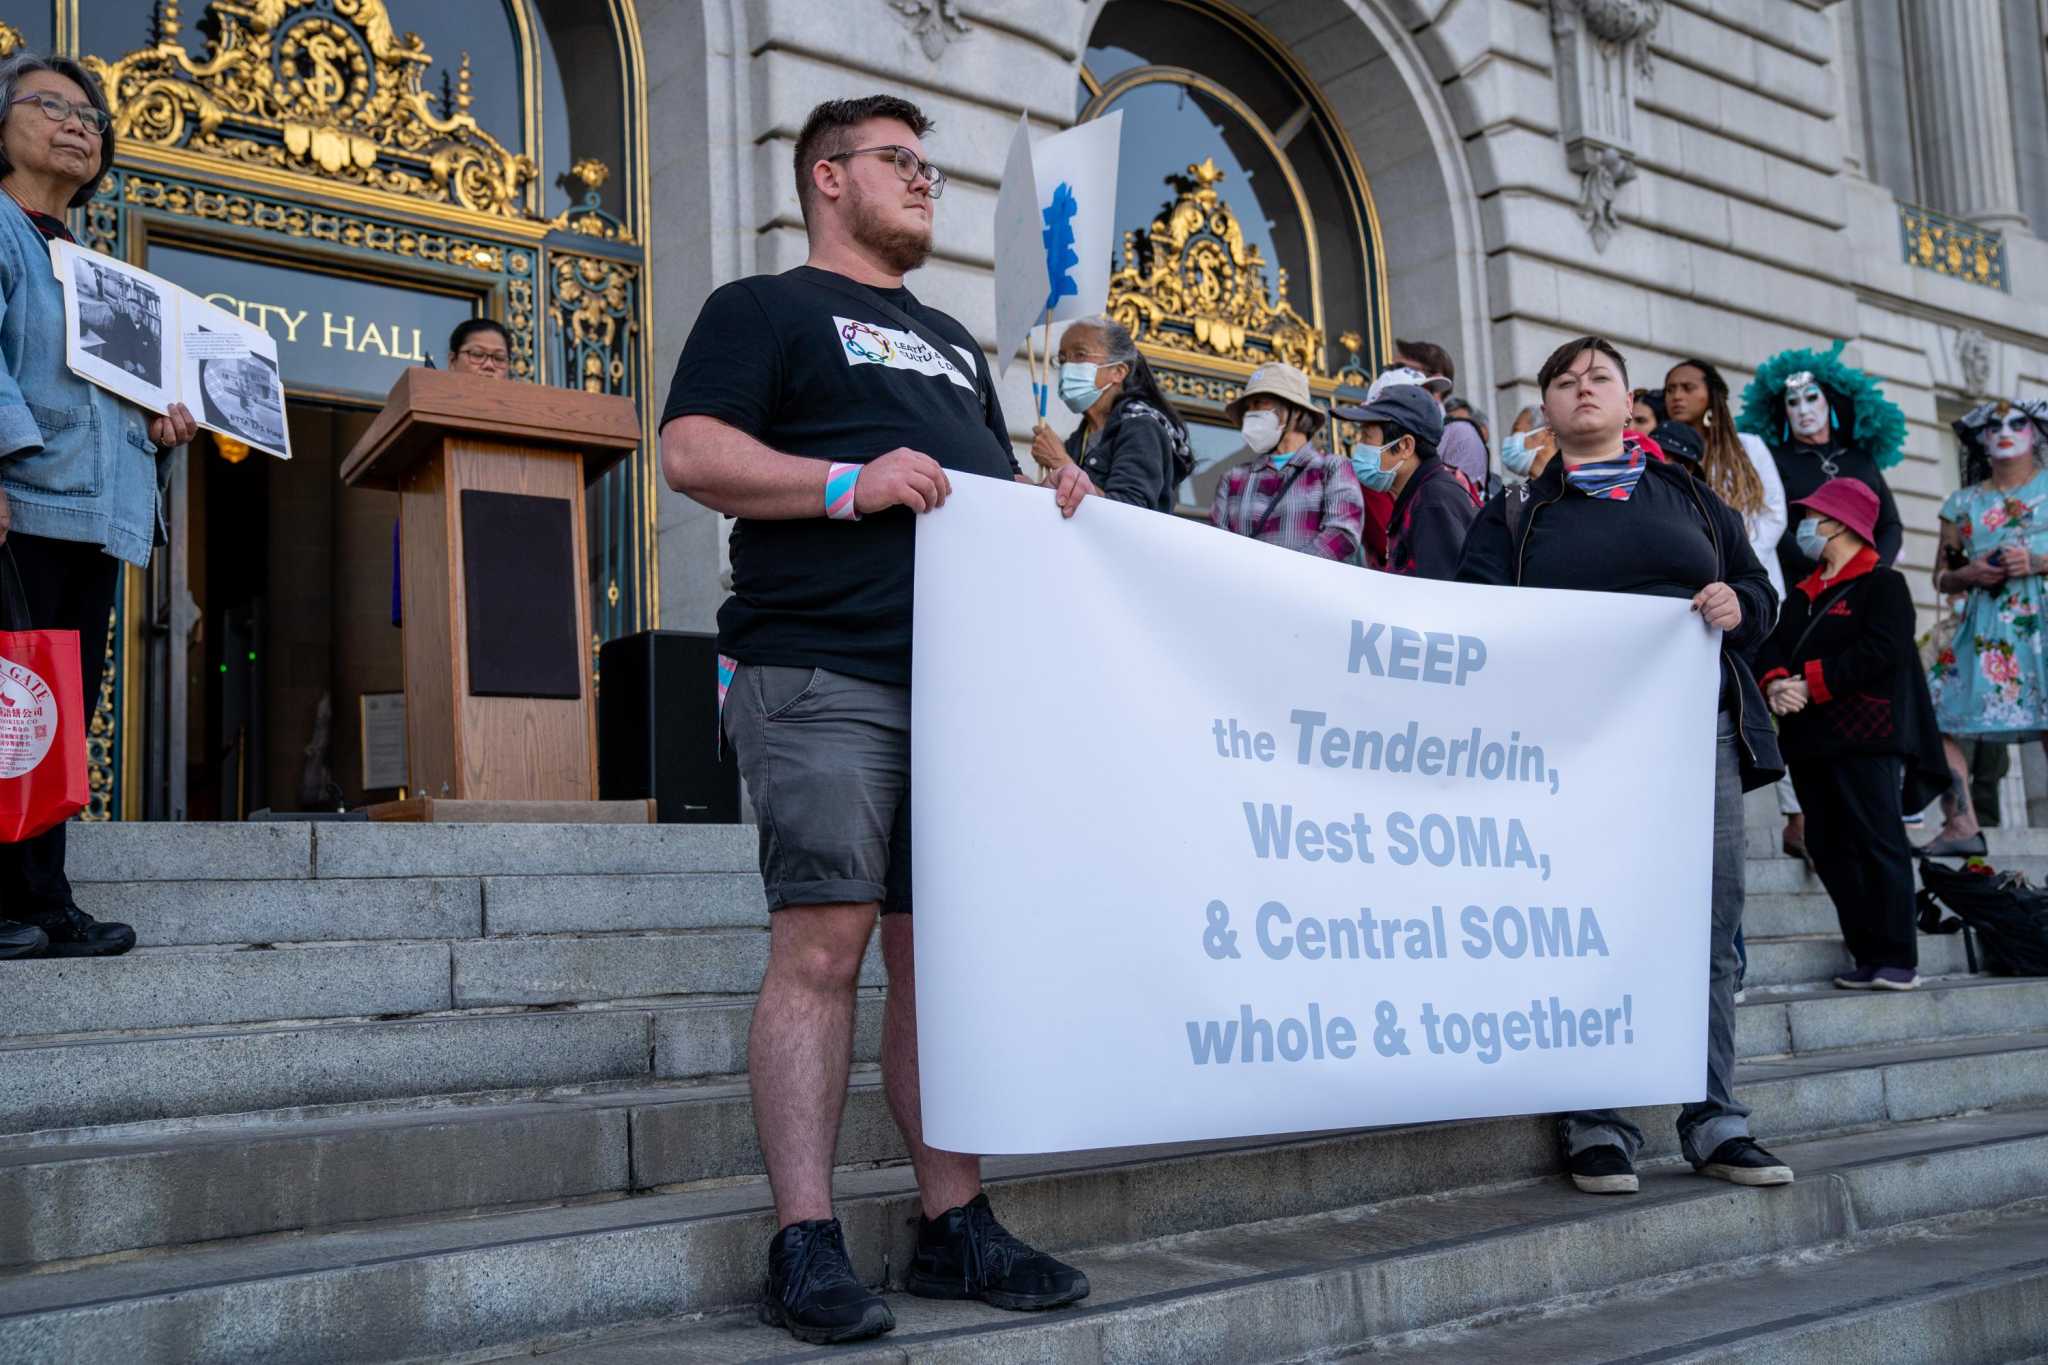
(1806, 409)
(2010, 437)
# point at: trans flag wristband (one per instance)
(839, 492)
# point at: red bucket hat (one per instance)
(1849, 501)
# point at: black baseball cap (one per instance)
(1680, 442)
(1407, 406)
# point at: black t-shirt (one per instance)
(807, 364)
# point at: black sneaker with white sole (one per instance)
(965, 1253)
(812, 1290)
(1605, 1169)
(21, 940)
(1742, 1162)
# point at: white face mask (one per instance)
(1261, 430)
(1807, 412)
(2010, 438)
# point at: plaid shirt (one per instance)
(1323, 513)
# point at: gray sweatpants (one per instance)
(1705, 1124)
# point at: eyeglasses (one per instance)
(56, 109)
(476, 357)
(909, 165)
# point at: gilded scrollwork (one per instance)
(324, 88)
(588, 215)
(1192, 283)
(597, 313)
(100, 736)
(10, 39)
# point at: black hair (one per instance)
(469, 327)
(1654, 401)
(823, 133)
(25, 63)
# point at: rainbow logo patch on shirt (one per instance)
(869, 343)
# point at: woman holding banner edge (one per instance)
(1604, 517)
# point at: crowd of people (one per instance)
(825, 407)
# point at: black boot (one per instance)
(813, 1291)
(21, 940)
(965, 1253)
(73, 933)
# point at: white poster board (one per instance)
(155, 344)
(1286, 845)
(1074, 174)
(1020, 250)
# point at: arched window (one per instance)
(1248, 226)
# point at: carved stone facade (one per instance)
(1603, 57)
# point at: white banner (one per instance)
(1280, 845)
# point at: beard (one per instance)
(902, 249)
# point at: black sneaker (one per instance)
(21, 940)
(813, 1291)
(1741, 1161)
(1605, 1169)
(965, 1253)
(73, 933)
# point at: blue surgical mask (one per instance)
(1078, 389)
(1365, 461)
(1811, 542)
(1515, 456)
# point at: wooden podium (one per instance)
(494, 582)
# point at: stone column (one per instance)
(1963, 105)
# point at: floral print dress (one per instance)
(1992, 681)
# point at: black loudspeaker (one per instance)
(657, 727)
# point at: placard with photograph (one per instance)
(155, 344)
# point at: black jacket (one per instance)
(1862, 671)
(1494, 554)
(1140, 457)
(1426, 533)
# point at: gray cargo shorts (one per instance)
(826, 758)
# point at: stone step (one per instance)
(186, 913)
(1775, 914)
(97, 1081)
(1813, 958)
(135, 851)
(462, 1286)
(1982, 1299)
(1441, 1282)
(157, 988)
(1823, 1019)
(1774, 875)
(230, 1178)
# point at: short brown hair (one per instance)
(1435, 359)
(1564, 356)
(824, 133)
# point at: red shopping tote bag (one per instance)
(42, 718)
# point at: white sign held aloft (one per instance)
(1308, 847)
(1055, 229)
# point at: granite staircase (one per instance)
(393, 1093)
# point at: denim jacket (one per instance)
(76, 462)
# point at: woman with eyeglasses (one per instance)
(1990, 682)
(78, 469)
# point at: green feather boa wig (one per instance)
(1877, 424)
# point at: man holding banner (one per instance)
(824, 409)
(1604, 517)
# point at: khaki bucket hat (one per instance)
(1281, 381)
